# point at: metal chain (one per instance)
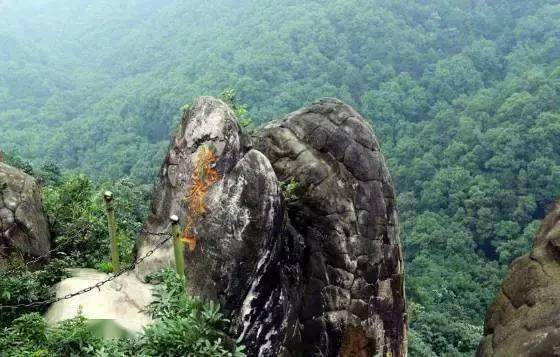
(143, 231)
(86, 230)
(100, 283)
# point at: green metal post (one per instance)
(112, 231)
(177, 247)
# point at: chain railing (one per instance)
(99, 284)
(173, 234)
(68, 241)
(143, 231)
(48, 254)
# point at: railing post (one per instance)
(177, 246)
(112, 231)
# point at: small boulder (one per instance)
(124, 301)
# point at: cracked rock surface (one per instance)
(314, 272)
(524, 319)
(23, 225)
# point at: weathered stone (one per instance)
(208, 122)
(23, 225)
(297, 278)
(341, 217)
(124, 301)
(336, 298)
(524, 320)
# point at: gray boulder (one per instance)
(125, 300)
(312, 270)
(350, 298)
(23, 225)
(207, 124)
(524, 319)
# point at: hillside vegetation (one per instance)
(464, 97)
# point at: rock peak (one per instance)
(297, 237)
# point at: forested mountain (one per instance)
(464, 96)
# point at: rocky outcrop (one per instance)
(23, 225)
(208, 124)
(351, 269)
(524, 320)
(313, 268)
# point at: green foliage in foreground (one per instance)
(182, 326)
(79, 222)
(185, 326)
(76, 210)
(21, 286)
(30, 336)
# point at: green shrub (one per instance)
(184, 326)
(30, 336)
(126, 347)
(73, 337)
(240, 110)
(290, 189)
(105, 267)
(78, 215)
(16, 161)
(21, 286)
(78, 212)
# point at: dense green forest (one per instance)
(464, 96)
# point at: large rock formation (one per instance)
(313, 271)
(208, 124)
(524, 320)
(23, 225)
